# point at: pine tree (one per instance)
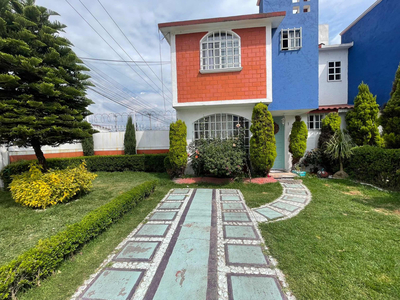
(130, 138)
(362, 121)
(42, 87)
(262, 143)
(298, 140)
(390, 119)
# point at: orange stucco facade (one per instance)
(249, 83)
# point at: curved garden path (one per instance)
(199, 244)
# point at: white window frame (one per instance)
(296, 10)
(335, 72)
(294, 38)
(212, 59)
(311, 119)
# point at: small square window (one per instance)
(291, 39)
(296, 10)
(334, 71)
(295, 1)
(306, 8)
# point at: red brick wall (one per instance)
(250, 83)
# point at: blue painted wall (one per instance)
(294, 73)
(375, 56)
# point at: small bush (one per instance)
(377, 166)
(330, 125)
(39, 190)
(88, 146)
(312, 159)
(114, 163)
(177, 148)
(43, 259)
(262, 143)
(219, 158)
(298, 140)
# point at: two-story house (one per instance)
(222, 67)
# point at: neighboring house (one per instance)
(375, 56)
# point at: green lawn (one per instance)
(21, 227)
(344, 245)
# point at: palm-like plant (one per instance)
(339, 147)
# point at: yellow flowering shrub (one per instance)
(39, 190)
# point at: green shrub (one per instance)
(262, 143)
(219, 158)
(43, 259)
(332, 121)
(312, 159)
(177, 148)
(88, 146)
(330, 125)
(39, 190)
(298, 140)
(377, 166)
(362, 121)
(112, 163)
(390, 119)
(130, 138)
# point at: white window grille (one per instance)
(334, 71)
(220, 50)
(291, 39)
(315, 121)
(221, 126)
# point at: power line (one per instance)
(130, 43)
(124, 61)
(110, 45)
(110, 35)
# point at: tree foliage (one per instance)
(177, 156)
(362, 121)
(88, 146)
(390, 119)
(262, 143)
(130, 138)
(298, 140)
(42, 84)
(330, 125)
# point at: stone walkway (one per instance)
(198, 244)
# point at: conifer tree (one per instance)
(42, 88)
(362, 121)
(262, 143)
(130, 138)
(390, 119)
(298, 140)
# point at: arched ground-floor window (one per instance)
(221, 126)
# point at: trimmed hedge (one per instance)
(113, 163)
(43, 259)
(377, 166)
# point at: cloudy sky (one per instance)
(138, 86)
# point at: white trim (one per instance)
(174, 75)
(229, 25)
(222, 102)
(258, 2)
(268, 43)
(336, 47)
(226, 70)
(362, 16)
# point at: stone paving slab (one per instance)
(269, 213)
(233, 206)
(294, 199)
(230, 198)
(176, 197)
(245, 255)
(240, 232)
(236, 217)
(163, 216)
(254, 287)
(296, 192)
(285, 206)
(170, 205)
(138, 251)
(113, 284)
(153, 230)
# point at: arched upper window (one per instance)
(220, 51)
